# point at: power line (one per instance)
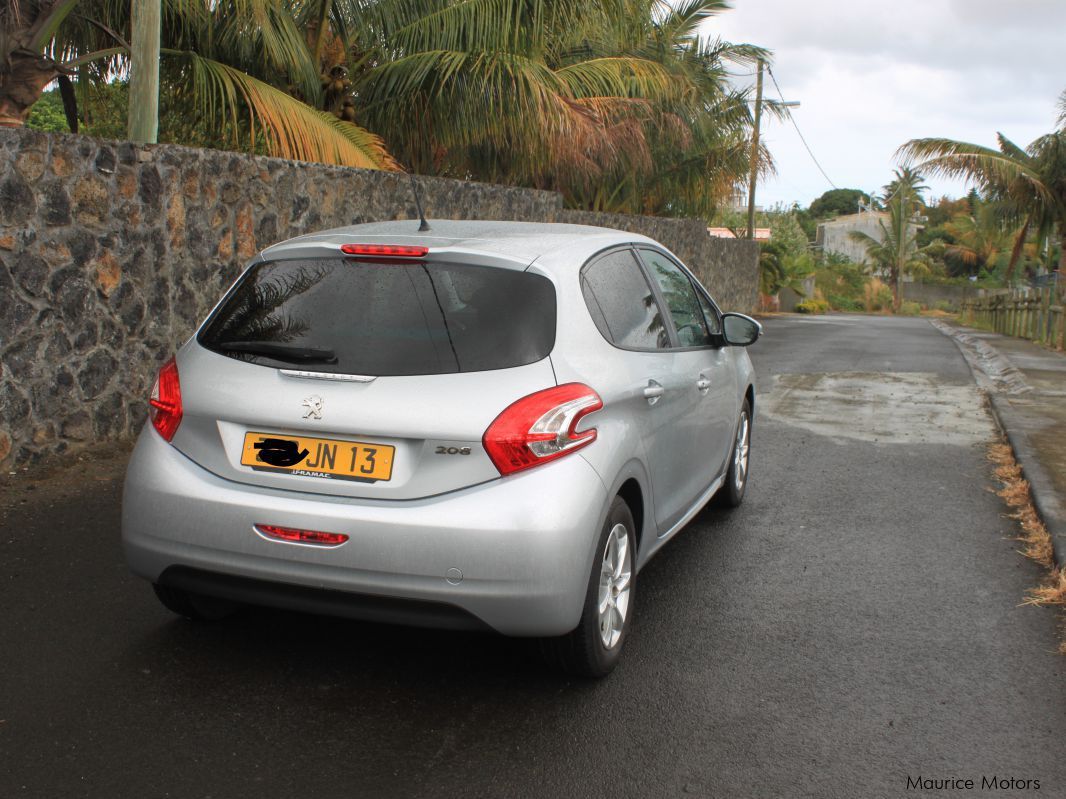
(799, 133)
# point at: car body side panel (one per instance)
(670, 425)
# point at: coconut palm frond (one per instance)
(260, 35)
(620, 77)
(991, 170)
(292, 129)
(684, 19)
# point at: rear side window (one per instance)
(622, 303)
(401, 318)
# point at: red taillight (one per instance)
(541, 427)
(164, 405)
(297, 536)
(391, 250)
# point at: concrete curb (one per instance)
(1040, 486)
(1000, 380)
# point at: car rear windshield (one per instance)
(400, 318)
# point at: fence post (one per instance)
(1047, 316)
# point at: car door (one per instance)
(704, 379)
(648, 386)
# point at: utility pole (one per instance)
(902, 251)
(755, 154)
(144, 71)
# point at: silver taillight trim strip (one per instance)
(328, 376)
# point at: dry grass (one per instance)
(1053, 592)
(936, 313)
(877, 297)
(1036, 542)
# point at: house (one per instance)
(761, 233)
(834, 236)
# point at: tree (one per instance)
(620, 105)
(897, 252)
(785, 229)
(47, 114)
(838, 202)
(617, 104)
(1028, 185)
(243, 67)
(779, 268)
(981, 240)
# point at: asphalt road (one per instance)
(857, 622)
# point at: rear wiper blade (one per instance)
(281, 352)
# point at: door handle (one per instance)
(653, 391)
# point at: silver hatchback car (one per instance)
(487, 425)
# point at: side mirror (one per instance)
(740, 330)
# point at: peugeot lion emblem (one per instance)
(314, 407)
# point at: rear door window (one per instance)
(622, 304)
(400, 318)
(681, 300)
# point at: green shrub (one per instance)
(850, 304)
(842, 283)
(945, 305)
(813, 306)
(910, 309)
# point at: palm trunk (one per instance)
(21, 85)
(1016, 252)
(1061, 282)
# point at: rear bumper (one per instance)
(523, 545)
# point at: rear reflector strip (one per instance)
(294, 535)
(392, 250)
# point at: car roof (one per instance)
(522, 242)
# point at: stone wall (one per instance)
(929, 294)
(110, 254)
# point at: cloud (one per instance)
(872, 76)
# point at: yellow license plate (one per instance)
(325, 458)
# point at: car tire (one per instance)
(592, 649)
(731, 494)
(194, 606)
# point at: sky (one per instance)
(870, 76)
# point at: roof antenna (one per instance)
(422, 228)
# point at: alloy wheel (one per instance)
(616, 571)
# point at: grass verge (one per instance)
(1035, 539)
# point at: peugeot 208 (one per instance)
(487, 425)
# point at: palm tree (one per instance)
(779, 269)
(1028, 185)
(896, 252)
(242, 67)
(980, 239)
(480, 87)
(699, 142)
(602, 100)
(28, 59)
(617, 104)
